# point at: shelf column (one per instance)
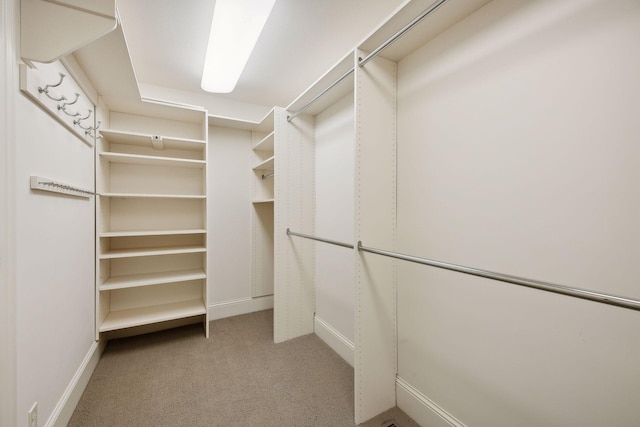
(294, 292)
(375, 223)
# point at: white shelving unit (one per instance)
(151, 227)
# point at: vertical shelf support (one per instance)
(375, 210)
(294, 293)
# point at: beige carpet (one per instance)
(237, 377)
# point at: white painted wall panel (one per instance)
(518, 153)
(334, 181)
(55, 260)
(229, 224)
(8, 286)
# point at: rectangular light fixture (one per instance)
(235, 28)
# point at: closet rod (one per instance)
(269, 175)
(320, 239)
(331, 86)
(402, 31)
(544, 286)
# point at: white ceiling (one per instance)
(301, 40)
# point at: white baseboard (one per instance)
(67, 404)
(334, 339)
(240, 306)
(422, 409)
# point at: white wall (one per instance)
(55, 260)
(334, 270)
(518, 153)
(8, 359)
(229, 221)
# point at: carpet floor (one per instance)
(237, 377)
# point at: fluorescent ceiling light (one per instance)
(235, 28)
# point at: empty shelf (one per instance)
(264, 201)
(153, 314)
(145, 140)
(266, 165)
(151, 196)
(140, 233)
(139, 252)
(135, 280)
(265, 144)
(138, 159)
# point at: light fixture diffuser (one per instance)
(235, 28)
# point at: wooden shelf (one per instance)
(267, 165)
(140, 252)
(329, 98)
(140, 233)
(152, 314)
(148, 279)
(426, 30)
(266, 124)
(264, 201)
(266, 144)
(145, 140)
(151, 196)
(229, 122)
(138, 159)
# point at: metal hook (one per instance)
(63, 107)
(45, 89)
(64, 104)
(77, 121)
(93, 135)
(88, 130)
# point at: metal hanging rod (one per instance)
(331, 86)
(428, 11)
(320, 239)
(268, 175)
(544, 286)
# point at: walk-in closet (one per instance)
(400, 212)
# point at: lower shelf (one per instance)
(154, 314)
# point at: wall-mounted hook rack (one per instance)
(36, 80)
(46, 184)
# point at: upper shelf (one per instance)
(266, 144)
(147, 140)
(264, 125)
(339, 80)
(443, 18)
(331, 97)
(229, 122)
(50, 30)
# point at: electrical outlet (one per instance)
(33, 416)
